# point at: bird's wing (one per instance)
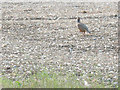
(84, 27)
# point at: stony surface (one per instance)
(45, 35)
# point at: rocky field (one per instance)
(45, 35)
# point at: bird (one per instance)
(82, 27)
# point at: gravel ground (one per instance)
(45, 34)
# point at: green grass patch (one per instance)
(44, 80)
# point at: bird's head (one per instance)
(78, 20)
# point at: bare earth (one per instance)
(39, 35)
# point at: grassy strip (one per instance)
(46, 79)
(43, 80)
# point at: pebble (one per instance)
(99, 65)
(86, 83)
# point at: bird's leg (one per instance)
(84, 33)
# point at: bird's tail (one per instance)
(88, 31)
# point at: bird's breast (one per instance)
(81, 28)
